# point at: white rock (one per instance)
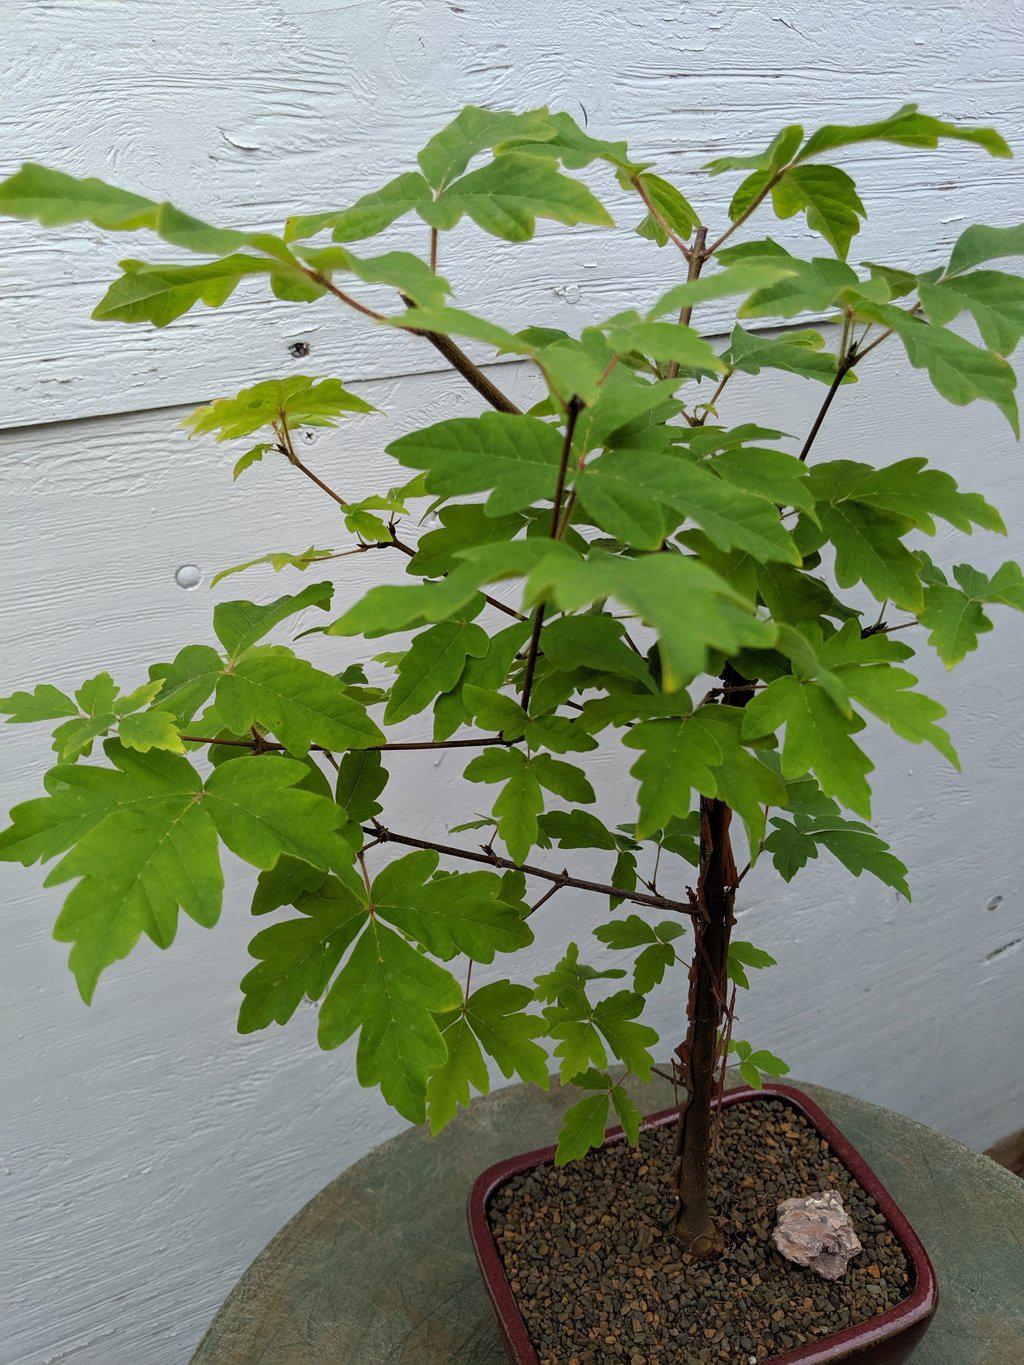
(816, 1232)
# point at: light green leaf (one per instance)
(238, 625)
(507, 195)
(475, 130)
(979, 244)
(994, 300)
(370, 214)
(907, 127)
(161, 293)
(291, 699)
(582, 1129)
(515, 456)
(433, 664)
(818, 739)
(391, 994)
(296, 958)
(299, 400)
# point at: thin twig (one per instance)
(696, 259)
(560, 879)
(476, 742)
(556, 531)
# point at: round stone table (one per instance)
(379, 1267)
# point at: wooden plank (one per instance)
(324, 100)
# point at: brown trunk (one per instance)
(699, 1054)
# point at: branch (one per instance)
(755, 204)
(376, 831)
(556, 531)
(842, 370)
(261, 745)
(459, 360)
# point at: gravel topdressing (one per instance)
(598, 1276)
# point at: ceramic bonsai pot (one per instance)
(887, 1337)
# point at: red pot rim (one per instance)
(918, 1305)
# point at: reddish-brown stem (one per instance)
(696, 258)
(560, 879)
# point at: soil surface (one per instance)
(598, 1276)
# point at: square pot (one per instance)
(889, 1336)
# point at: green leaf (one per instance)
(907, 127)
(689, 607)
(516, 811)
(886, 692)
(370, 214)
(464, 1070)
(494, 711)
(496, 1013)
(278, 560)
(676, 757)
(285, 884)
(959, 371)
(627, 491)
(413, 278)
(742, 277)
(140, 844)
(741, 955)
(297, 957)
(515, 456)
(261, 811)
(670, 341)
(814, 822)
(458, 913)
(808, 287)
(299, 400)
(582, 1129)
(869, 550)
(597, 640)
(908, 489)
(829, 199)
(955, 615)
(780, 150)
(492, 1019)
(291, 699)
(673, 210)
(615, 1017)
(994, 300)
(145, 730)
(361, 779)
(507, 195)
(391, 994)
(979, 244)
(628, 1114)
(797, 353)
(433, 664)
(188, 681)
(462, 525)
(238, 625)
(475, 130)
(44, 702)
(54, 198)
(161, 293)
(818, 738)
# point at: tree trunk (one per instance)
(699, 1054)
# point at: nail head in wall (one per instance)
(994, 903)
(298, 349)
(189, 576)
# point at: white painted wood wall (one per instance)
(149, 1151)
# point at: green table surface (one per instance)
(378, 1266)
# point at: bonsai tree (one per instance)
(727, 607)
